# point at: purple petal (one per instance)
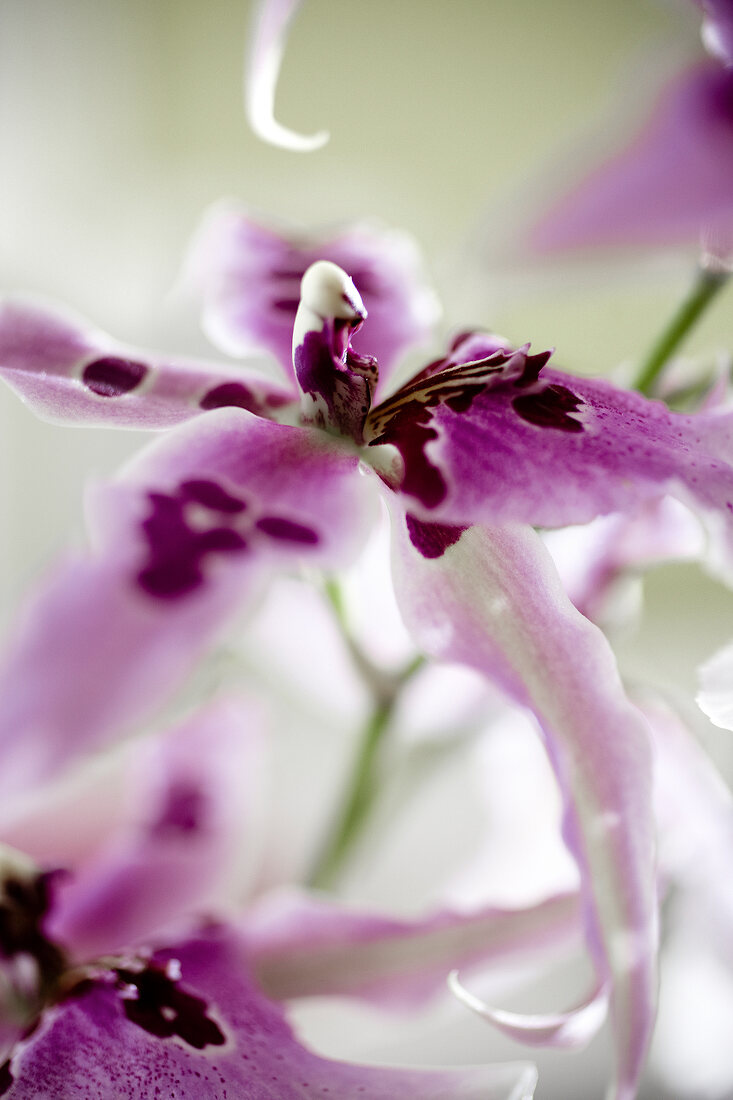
(717, 28)
(303, 946)
(494, 602)
(176, 554)
(547, 448)
(205, 1035)
(68, 371)
(671, 184)
(250, 279)
(193, 808)
(271, 25)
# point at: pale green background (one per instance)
(121, 120)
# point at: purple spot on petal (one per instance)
(431, 539)
(410, 431)
(211, 495)
(163, 1009)
(550, 408)
(183, 812)
(113, 377)
(285, 529)
(286, 305)
(228, 394)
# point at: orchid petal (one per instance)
(191, 1023)
(717, 28)
(305, 946)
(250, 277)
(715, 697)
(563, 1030)
(181, 540)
(194, 808)
(272, 22)
(68, 371)
(501, 438)
(670, 185)
(493, 601)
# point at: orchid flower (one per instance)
(672, 184)
(84, 936)
(484, 435)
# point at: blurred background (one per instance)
(121, 121)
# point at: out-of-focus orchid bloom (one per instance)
(484, 435)
(671, 185)
(717, 28)
(159, 873)
(267, 45)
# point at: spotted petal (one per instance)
(493, 601)
(272, 22)
(192, 809)
(180, 541)
(250, 276)
(502, 438)
(671, 184)
(191, 1025)
(304, 946)
(68, 371)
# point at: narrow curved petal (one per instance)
(671, 184)
(491, 441)
(267, 45)
(194, 808)
(249, 276)
(68, 371)
(191, 1025)
(715, 696)
(303, 946)
(562, 1030)
(181, 541)
(493, 601)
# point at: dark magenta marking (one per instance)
(6, 1077)
(532, 368)
(185, 1014)
(550, 408)
(230, 395)
(286, 530)
(113, 377)
(409, 430)
(431, 539)
(211, 496)
(184, 810)
(175, 550)
(286, 305)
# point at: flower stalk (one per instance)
(708, 282)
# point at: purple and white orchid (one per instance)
(485, 435)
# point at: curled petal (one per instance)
(68, 371)
(715, 697)
(191, 1024)
(181, 541)
(193, 808)
(671, 184)
(304, 946)
(499, 437)
(493, 601)
(564, 1030)
(272, 22)
(249, 276)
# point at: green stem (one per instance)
(708, 282)
(364, 785)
